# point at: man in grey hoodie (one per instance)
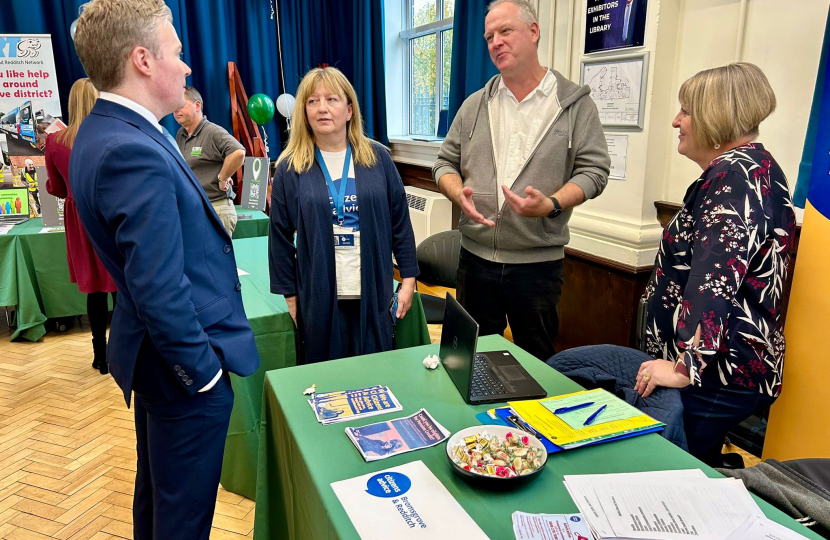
(520, 154)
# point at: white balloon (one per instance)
(72, 29)
(285, 105)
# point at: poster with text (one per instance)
(29, 103)
(614, 24)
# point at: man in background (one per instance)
(212, 153)
(517, 187)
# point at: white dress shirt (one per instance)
(518, 127)
(133, 106)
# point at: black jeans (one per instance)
(710, 413)
(526, 295)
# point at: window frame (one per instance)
(407, 35)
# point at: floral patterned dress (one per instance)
(721, 267)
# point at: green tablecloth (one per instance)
(35, 279)
(256, 225)
(299, 458)
(274, 335)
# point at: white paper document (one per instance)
(582, 491)
(406, 502)
(241, 272)
(4, 229)
(761, 528)
(550, 527)
(51, 229)
(704, 509)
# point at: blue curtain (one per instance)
(471, 65)
(805, 168)
(345, 35)
(212, 34)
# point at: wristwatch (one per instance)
(557, 208)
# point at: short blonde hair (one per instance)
(109, 30)
(727, 103)
(82, 98)
(299, 152)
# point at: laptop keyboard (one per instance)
(483, 383)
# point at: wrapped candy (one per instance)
(488, 455)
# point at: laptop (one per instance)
(487, 377)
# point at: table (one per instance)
(299, 458)
(256, 225)
(274, 335)
(34, 276)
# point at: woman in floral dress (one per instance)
(714, 316)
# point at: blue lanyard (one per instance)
(339, 197)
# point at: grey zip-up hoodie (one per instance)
(573, 149)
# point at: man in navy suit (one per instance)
(179, 326)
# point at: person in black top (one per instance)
(714, 317)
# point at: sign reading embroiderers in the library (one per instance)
(614, 24)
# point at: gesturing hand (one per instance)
(469, 208)
(536, 204)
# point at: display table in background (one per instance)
(274, 335)
(299, 458)
(250, 227)
(35, 279)
(34, 276)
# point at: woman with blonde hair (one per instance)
(85, 268)
(714, 318)
(342, 195)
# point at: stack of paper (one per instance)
(549, 526)
(345, 405)
(665, 505)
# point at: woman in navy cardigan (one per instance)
(341, 194)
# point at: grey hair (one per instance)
(191, 94)
(526, 10)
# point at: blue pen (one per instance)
(593, 417)
(562, 410)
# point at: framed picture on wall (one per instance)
(618, 87)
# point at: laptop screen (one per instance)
(458, 345)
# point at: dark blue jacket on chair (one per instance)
(179, 316)
(614, 369)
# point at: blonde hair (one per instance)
(727, 103)
(300, 149)
(82, 98)
(109, 30)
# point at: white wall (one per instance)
(784, 39)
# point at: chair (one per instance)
(438, 261)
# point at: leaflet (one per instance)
(345, 405)
(404, 503)
(761, 528)
(550, 527)
(386, 439)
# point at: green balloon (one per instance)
(261, 108)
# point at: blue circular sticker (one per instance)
(388, 485)
(575, 519)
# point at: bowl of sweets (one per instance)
(496, 455)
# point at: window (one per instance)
(428, 46)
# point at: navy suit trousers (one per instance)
(180, 446)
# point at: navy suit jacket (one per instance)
(179, 316)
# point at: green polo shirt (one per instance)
(205, 151)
